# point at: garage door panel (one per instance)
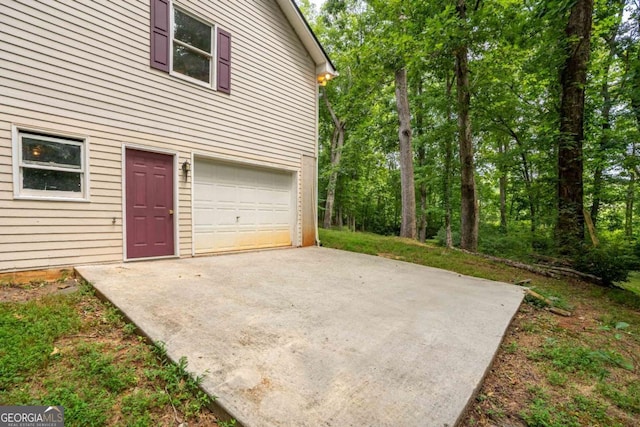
(204, 190)
(224, 193)
(240, 208)
(245, 194)
(223, 216)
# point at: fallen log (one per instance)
(548, 303)
(527, 267)
(560, 311)
(552, 271)
(577, 274)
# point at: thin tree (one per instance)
(573, 79)
(469, 203)
(448, 164)
(337, 141)
(607, 106)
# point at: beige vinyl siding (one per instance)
(82, 67)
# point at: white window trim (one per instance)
(213, 69)
(65, 196)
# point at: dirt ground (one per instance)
(507, 389)
(22, 292)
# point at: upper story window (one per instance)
(190, 46)
(49, 166)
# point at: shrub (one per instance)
(611, 261)
(515, 245)
(441, 237)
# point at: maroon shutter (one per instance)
(224, 61)
(160, 39)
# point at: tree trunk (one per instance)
(631, 194)
(469, 203)
(604, 142)
(422, 159)
(502, 150)
(606, 120)
(573, 79)
(408, 223)
(422, 190)
(628, 218)
(337, 141)
(448, 167)
(526, 172)
(528, 184)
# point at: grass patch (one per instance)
(626, 397)
(27, 334)
(592, 363)
(551, 370)
(633, 283)
(576, 412)
(76, 351)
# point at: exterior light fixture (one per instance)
(324, 78)
(186, 167)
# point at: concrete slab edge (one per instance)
(478, 386)
(216, 407)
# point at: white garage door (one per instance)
(239, 207)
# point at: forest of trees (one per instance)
(509, 127)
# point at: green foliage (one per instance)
(557, 379)
(182, 387)
(84, 405)
(101, 368)
(569, 358)
(27, 334)
(441, 237)
(43, 362)
(626, 397)
(544, 412)
(610, 261)
(515, 244)
(633, 283)
(511, 348)
(517, 50)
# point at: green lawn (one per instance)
(551, 371)
(634, 282)
(76, 351)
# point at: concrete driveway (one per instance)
(319, 337)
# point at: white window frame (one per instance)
(19, 192)
(212, 56)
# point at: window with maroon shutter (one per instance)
(184, 46)
(160, 35)
(224, 61)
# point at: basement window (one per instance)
(50, 167)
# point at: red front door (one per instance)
(149, 200)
